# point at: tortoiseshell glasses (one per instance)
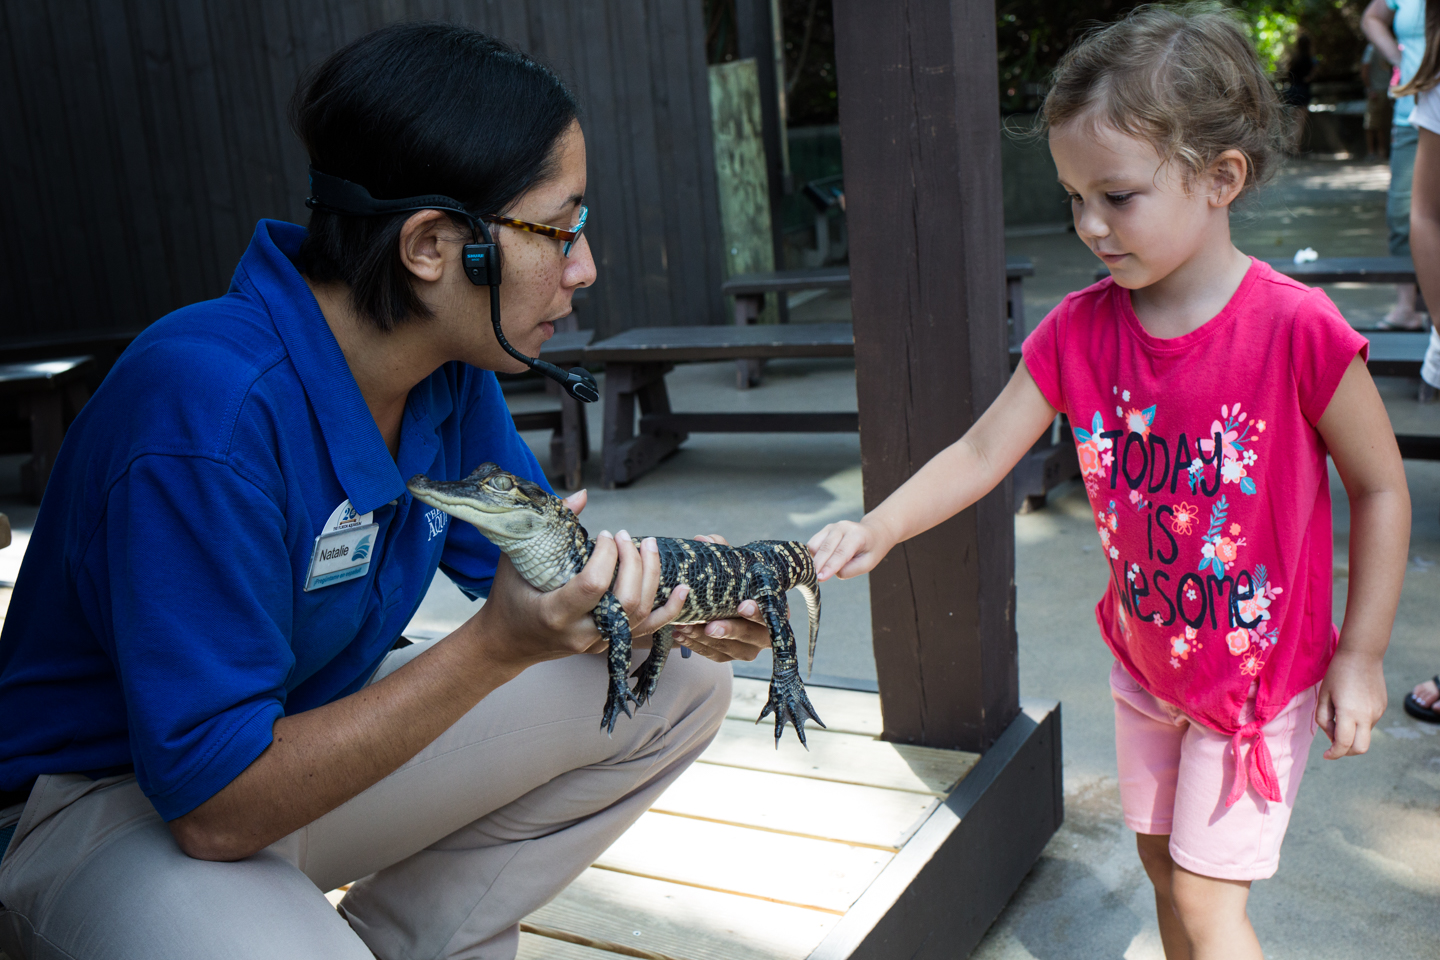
(568, 237)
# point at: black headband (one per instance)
(332, 195)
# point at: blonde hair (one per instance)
(1185, 79)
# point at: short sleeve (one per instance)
(1041, 352)
(1323, 344)
(487, 434)
(1426, 114)
(190, 565)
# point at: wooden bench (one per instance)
(1336, 270)
(637, 361)
(749, 290)
(570, 439)
(47, 394)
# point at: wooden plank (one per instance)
(820, 809)
(534, 947)
(682, 921)
(663, 344)
(845, 711)
(839, 757)
(921, 150)
(1348, 270)
(752, 422)
(798, 871)
(1418, 446)
(940, 894)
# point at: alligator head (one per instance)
(507, 509)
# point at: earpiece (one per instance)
(481, 261)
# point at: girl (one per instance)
(1205, 391)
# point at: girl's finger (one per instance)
(1344, 739)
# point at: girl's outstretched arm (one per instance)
(953, 479)
(1357, 430)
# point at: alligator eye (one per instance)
(502, 483)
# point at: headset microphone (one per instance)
(481, 261)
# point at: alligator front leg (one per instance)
(649, 672)
(788, 700)
(615, 628)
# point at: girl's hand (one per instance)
(848, 549)
(1352, 698)
(736, 638)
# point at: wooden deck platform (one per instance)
(754, 853)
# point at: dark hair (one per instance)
(1185, 78)
(420, 108)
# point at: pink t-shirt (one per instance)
(1211, 496)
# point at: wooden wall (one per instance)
(142, 140)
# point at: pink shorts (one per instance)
(1175, 775)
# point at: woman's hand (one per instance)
(521, 625)
(735, 638)
(848, 549)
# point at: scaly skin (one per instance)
(548, 546)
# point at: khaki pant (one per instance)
(482, 827)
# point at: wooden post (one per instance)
(920, 122)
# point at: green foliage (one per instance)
(1033, 34)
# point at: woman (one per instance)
(1421, 702)
(216, 727)
(1397, 28)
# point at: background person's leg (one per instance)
(102, 879)
(501, 812)
(1403, 141)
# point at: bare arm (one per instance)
(954, 478)
(1357, 430)
(1425, 215)
(322, 757)
(1375, 23)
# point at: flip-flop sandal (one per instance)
(1421, 712)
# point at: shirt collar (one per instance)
(363, 465)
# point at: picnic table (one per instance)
(570, 437)
(749, 290)
(637, 361)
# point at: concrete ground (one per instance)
(1358, 878)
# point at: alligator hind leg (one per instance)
(615, 628)
(788, 700)
(649, 672)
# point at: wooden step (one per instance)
(780, 868)
(799, 806)
(839, 758)
(687, 923)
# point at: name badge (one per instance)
(342, 550)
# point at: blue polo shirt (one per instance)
(161, 618)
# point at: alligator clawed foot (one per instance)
(789, 703)
(616, 703)
(648, 678)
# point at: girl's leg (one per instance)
(1155, 855)
(1212, 913)
(1148, 738)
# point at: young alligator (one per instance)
(548, 546)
